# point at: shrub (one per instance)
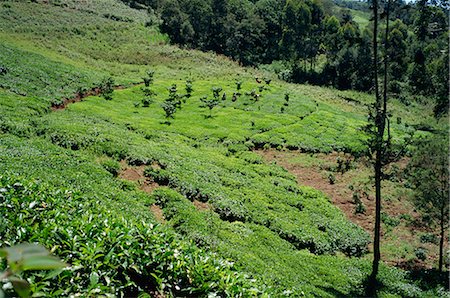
(107, 88)
(148, 80)
(359, 206)
(111, 166)
(389, 221)
(331, 178)
(209, 103)
(3, 70)
(216, 92)
(421, 253)
(429, 238)
(109, 255)
(169, 108)
(189, 88)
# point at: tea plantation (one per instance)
(234, 225)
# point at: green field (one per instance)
(258, 232)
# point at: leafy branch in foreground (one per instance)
(25, 257)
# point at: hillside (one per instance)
(140, 204)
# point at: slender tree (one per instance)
(379, 145)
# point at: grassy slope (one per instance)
(204, 159)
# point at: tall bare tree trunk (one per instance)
(380, 123)
(441, 243)
(376, 240)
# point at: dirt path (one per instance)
(80, 96)
(202, 206)
(136, 174)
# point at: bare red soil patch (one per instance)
(341, 196)
(201, 205)
(158, 213)
(136, 173)
(339, 193)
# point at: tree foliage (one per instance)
(429, 175)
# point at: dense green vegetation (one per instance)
(319, 42)
(82, 219)
(59, 184)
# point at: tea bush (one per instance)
(108, 253)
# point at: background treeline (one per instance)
(318, 41)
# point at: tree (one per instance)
(209, 103)
(397, 54)
(331, 40)
(270, 12)
(148, 80)
(440, 79)
(429, 174)
(169, 108)
(200, 16)
(362, 76)
(245, 40)
(176, 23)
(378, 146)
(345, 65)
(296, 25)
(418, 77)
(217, 28)
(189, 88)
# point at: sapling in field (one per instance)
(216, 91)
(174, 97)
(172, 90)
(238, 85)
(209, 103)
(286, 98)
(148, 80)
(189, 88)
(107, 88)
(170, 109)
(148, 96)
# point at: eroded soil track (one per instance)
(136, 174)
(79, 96)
